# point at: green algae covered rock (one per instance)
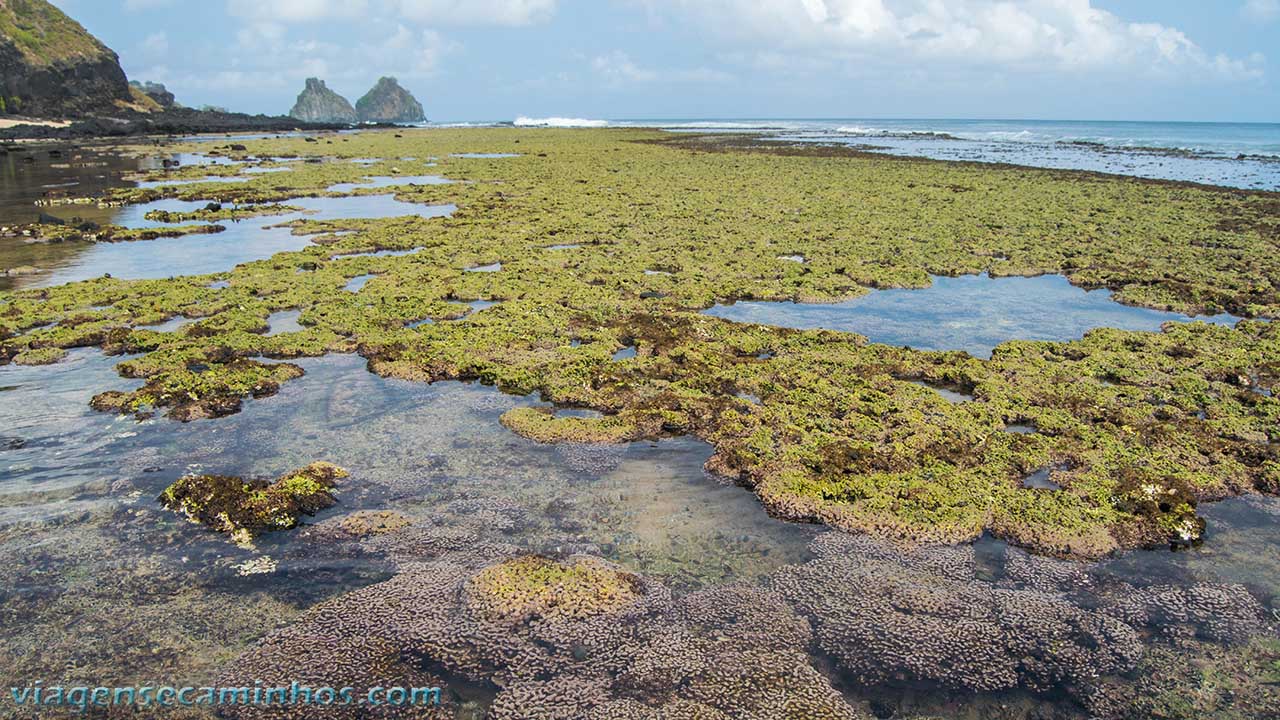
(246, 508)
(609, 240)
(534, 586)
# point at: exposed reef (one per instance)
(1138, 427)
(244, 509)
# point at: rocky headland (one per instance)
(388, 102)
(50, 66)
(58, 81)
(317, 103)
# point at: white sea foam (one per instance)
(859, 130)
(562, 122)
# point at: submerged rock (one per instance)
(572, 638)
(388, 102)
(317, 103)
(245, 508)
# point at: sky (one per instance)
(490, 60)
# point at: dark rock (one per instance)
(50, 66)
(47, 219)
(388, 102)
(177, 121)
(317, 103)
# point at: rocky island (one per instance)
(386, 101)
(317, 103)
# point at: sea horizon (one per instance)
(1250, 138)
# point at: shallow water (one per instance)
(75, 173)
(973, 313)
(89, 172)
(251, 238)
(411, 447)
(948, 394)
(77, 510)
(285, 321)
(382, 181)
(356, 283)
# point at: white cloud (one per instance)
(155, 45)
(1070, 35)
(136, 5)
(477, 12)
(1261, 10)
(435, 12)
(617, 68)
(294, 11)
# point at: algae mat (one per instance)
(596, 240)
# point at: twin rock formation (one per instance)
(385, 102)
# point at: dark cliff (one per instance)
(50, 66)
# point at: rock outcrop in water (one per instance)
(317, 103)
(388, 102)
(246, 508)
(50, 66)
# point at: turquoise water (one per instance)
(973, 313)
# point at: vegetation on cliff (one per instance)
(50, 65)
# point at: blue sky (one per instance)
(499, 59)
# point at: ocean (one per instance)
(1244, 155)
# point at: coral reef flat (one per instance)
(579, 483)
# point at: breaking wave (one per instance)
(562, 122)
